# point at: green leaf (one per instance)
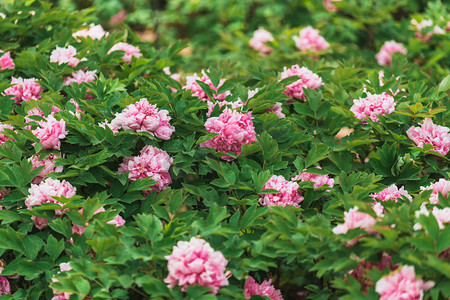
(445, 84)
(54, 247)
(317, 153)
(268, 145)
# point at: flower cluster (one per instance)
(440, 187)
(65, 56)
(153, 163)
(3, 137)
(355, 219)
(62, 296)
(44, 192)
(317, 180)
(143, 116)
(309, 39)
(235, 129)
(308, 79)
(287, 192)
(195, 262)
(402, 284)
(117, 220)
(384, 57)
(260, 37)
(24, 89)
(48, 163)
(50, 132)
(432, 134)
(95, 32)
(442, 216)
(426, 23)
(81, 76)
(263, 289)
(372, 106)
(197, 91)
(129, 50)
(6, 61)
(393, 193)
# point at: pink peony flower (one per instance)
(275, 109)
(143, 116)
(232, 105)
(153, 163)
(5, 288)
(309, 39)
(442, 216)
(197, 91)
(263, 289)
(36, 111)
(24, 89)
(3, 137)
(355, 219)
(390, 193)
(44, 192)
(328, 4)
(318, 180)
(65, 56)
(95, 32)
(390, 47)
(287, 192)
(61, 296)
(440, 187)
(432, 134)
(307, 79)
(117, 220)
(49, 166)
(50, 132)
(6, 61)
(235, 129)
(372, 106)
(260, 37)
(130, 51)
(402, 284)
(195, 262)
(81, 76)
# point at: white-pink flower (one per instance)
(153, 163)
(36, 111)
(95, 32)
(24, 89)
(61, 296)
(44, 193)
(130, 51)
(235, 129)
(393, 193)
(143, 116)
(307, 79)
(384, 57)
(287, 192)
(196, 90)
(309, 39)
(442, 216)
(81, 76)
(373, 106)
(196, 263)
(317, 180)
(3, 137)
(48, 163)
(50, 132)
(432, 134)
(65, 56)
(264, 289)
(6, 61)
(440, 187)
(260, 37)
(402, 284)
(418, 27)
(355, 219)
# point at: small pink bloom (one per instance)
(49, 166)
(402, 284)
(442, 216)
(263, 289)
(50, 132)
(130, 51)
(440, 187)
(3, 137)
(328, 4)
(81, 76)
(61, 296)
(372, 106)
(235, 129)
(196, 263)
(287, 192)
(24, 89)
(260, 37)
(432, 134)
(390, 193)
(6, 61)
(65, 56)
(196, 90)
(318, 180)
(309, 39)
(355, 219)
(307, 79)
(390, 47)
(95, 32)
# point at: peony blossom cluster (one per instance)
(234, 128)
(440, 187)
(129, 50)
(6, 61)
(95, 32)
(195, 262)
(317, 180)
(81, 76)
(65, 56)
(153, 163)
(24, 89)
(197, 91)
(432, 134)
(44, 192)
(372, 106)
(442, 216)
(143, 116)
(49, 166)
(402, 284)
(287, 192)
(418, 27)
(258, 40)
(263, 289)
(384, 57)
(62, 296)
(3, 137)
(36, 111)
(50, 132)
(117, 220)
(393, 193)
(355, 219)
(309, 39)
(308, 79)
